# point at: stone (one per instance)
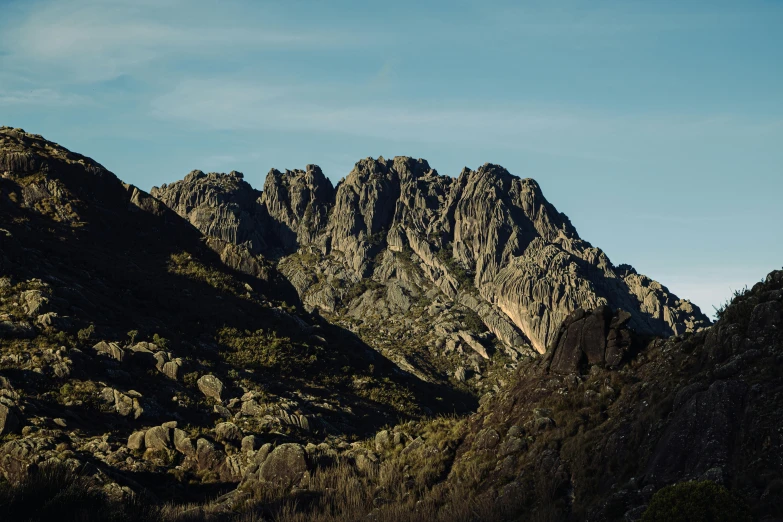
(222, 411)
(252, 409)
(587, 338)
(474, 344)
(170, 425)
(9, 422)
(262, 453)
(126, 404)
(486, 439)
(382, 441)
(228, 432)
(207, 457)
(211, 387)
(160, 360)
(594, 332)
(172, 369)
(286, 465)
(250, 443)
(183, 443)
(158, 438)
(112, 350)
(33, 302)
(136, 440)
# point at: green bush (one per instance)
(265, 351)
(456, 269)
(703, 501)
(85, 333)
(160, 342)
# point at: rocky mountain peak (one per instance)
(297, 203)
(487, 232)
(223, 206)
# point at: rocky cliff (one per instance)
(486, 243)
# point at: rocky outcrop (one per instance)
(590, 337)
(487, 238)
(298, 203)
(701, 435)
(223, 206)
(285, 465)
(211, 387)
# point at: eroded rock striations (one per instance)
(486, 243)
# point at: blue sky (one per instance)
(657, 127)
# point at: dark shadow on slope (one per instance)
(114, 271)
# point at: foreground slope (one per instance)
(117, 317)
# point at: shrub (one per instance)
(85, 333)
(474, 322)
(738, 309)
(185, 265)
(160, 342)
(265, 351)
(703, 501)
(456, 269)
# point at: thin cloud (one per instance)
(245, 105)
(88, 41)
(41, 97)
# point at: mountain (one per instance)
(404, 346)
(116, 313)
(396, 244)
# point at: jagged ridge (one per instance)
(523, 257)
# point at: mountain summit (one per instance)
(486, 242)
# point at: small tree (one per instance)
(85, 333)
(132, 336)
(160, 342)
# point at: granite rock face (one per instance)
(223, 206)
(486, 240)
(298, 204)
(590, 337)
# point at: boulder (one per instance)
(126, 404)
(158, 438)
(211, 386)
(207, 456)
(171, 369)
(112, 350)
(285, 465)
(9, 422)
(474, 344)
(136, 440)
(589, 338)
(228, 432)
(382, 441)
(33, 302)
(250, 443)
(183, 443)
(160, 360)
